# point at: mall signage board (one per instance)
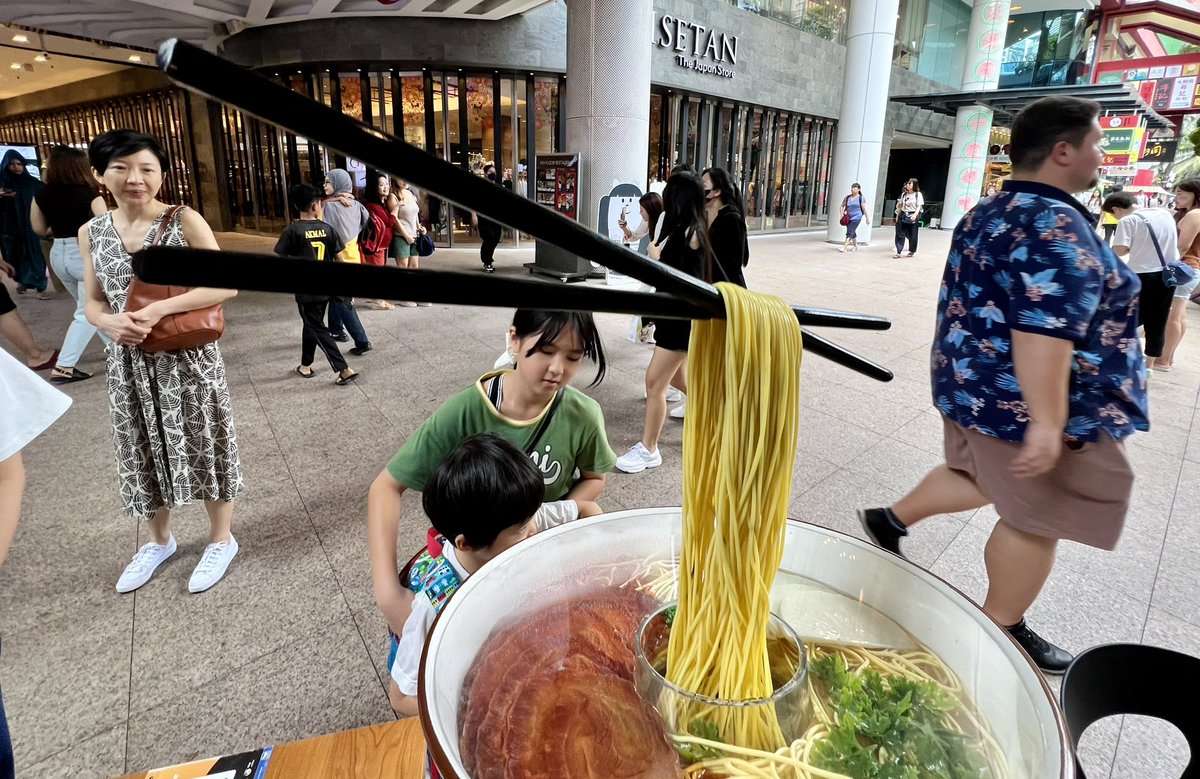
(697, 47)
(1159, 150)
(1170, 84)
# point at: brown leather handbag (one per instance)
(185, 330)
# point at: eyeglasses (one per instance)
(708, 191)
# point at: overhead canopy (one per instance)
(1005, 103)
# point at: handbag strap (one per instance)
(1153, 238)
(160, 231)
(543, 426)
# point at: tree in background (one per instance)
(1187, 157)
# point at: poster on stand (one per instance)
(557, 183)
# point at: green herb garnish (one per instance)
(694, 753)
(890, 728)
(669, 615)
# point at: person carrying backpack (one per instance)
(348, 217)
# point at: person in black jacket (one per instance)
(726, 226)
(489, 231)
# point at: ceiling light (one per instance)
(15, 66)
(1014, 8)
(41, 57)
(135, 57)
(21, 38)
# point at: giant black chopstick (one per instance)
(221, 80)
(260, 272)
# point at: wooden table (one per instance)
(390, 750)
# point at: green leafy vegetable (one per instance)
(669, 615)
(890, 728)
(694, 753)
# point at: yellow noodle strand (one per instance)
(738, 454)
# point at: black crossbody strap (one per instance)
(545, 424)
(1153, 238)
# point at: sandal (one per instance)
(43, 295)
(47, 364)
(308, 375)
(895, 256)
(342, 381)
(910, 254)
(68, 375)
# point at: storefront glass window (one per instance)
(481, 130)
(350, 85)
(653, 163)
(545, 114)
(440, 149)
(412, 108)
(753, 155)
(779, 206)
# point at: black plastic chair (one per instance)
(1133, 679)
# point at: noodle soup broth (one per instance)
(856, 608)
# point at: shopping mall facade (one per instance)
(755, 88)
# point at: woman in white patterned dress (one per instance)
(171, 412)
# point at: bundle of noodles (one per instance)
(739, 445)
(553, 696)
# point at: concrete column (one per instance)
(973, 124)
(870, 33)
(607, 102)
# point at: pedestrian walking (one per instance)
(311, 238)
(67, 202)
(1146, 239)
(854, 211)
(1037, 371)
(908, 218)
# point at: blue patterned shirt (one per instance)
(1029, 259)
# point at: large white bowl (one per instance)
(1006, 687)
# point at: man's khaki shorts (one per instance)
(1083, 499)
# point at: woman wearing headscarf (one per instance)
(348, 217)
(20, 245)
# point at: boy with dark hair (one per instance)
(312, 239)
(482, 500)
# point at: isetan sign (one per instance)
(697, 47)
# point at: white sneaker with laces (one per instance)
(213, 564)
(678, 411)
(638, 459)
(673, 395)
(144, 564)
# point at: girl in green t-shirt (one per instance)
(534, 407)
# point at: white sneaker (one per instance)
(144, 564)
(213, 564)
(673, 395)
(678, 411)
(638, 459)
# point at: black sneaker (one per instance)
(361, 350)
(882, 527)
(489, 268)
(343, 338)
(1048, 657)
